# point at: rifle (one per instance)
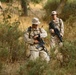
(41, 42)
(57, 32)
(40, 45)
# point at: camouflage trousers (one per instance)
(39, 54)
(33, 53)
(55, 44)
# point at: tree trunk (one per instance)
(24, 7)
(61, 6)
(8, 1)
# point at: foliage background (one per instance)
(13, 60)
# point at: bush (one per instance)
(4, 53)
(50, 6)
(69, 54)
(37, 67)
(3, 0)
(11, 47)
(36, 1)
(70, 29)
(69, 10)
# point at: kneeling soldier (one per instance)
(33, 36)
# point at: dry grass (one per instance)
(36, 10)
(12, 68)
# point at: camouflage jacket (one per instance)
(59, 25)
(33, 32)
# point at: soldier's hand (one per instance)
(61, 34)
(52, 30)
(36, 41)
(35, 36)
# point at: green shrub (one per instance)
(36, 1)
(3, 0)
(70, 28)
(4, 53)
(6, 0)
(69, 54)
(11, 46)
(69, 10)
(50, 6)
(37, 67)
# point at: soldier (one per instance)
(37, 48)
(59, 26)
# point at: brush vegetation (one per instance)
(13, 48)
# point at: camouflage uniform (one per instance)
(55, 42)
(60, 26)
(34, 52)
